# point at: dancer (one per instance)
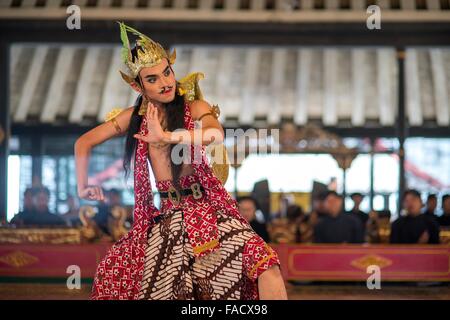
(196, 245)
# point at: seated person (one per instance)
(318, 206)
(415, 227)
(337, 227)
(430, 206)
(72, 215)
(356, 212)
(312, 218)
(247, 208)
(296, 220)
(104, 216)
(28, 206)
(444, 219)
(40, 216)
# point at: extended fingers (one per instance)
(149, 108)
(151, 111)
(141, 137)
(154, 112)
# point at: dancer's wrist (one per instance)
(166, 138)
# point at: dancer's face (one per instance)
(159, 82)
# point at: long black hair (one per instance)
(174, 119)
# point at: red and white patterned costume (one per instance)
(120, 274)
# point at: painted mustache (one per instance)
(165, 90)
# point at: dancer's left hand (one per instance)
(155, 133)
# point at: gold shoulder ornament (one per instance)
(111, 116)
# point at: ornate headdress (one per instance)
(149, 53)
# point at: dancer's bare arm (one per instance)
(84, 145)
(211, 130)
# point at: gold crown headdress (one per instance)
(149, 53)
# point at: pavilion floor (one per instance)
(322, 291)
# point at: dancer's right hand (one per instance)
(91, 193)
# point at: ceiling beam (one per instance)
(384, 85)
(197, 59)
(304, 58)
(307, 4)
(80, 3)
(278, 71)
(331, 4)
(130, 3)
(55, 93)
(413, 96)
(79, 105)
(357, 5)
(383, 4)
(408, 4)
(114, 93)
(180, 4)
(329, 114)
(358, 61)
(224, 65)
(249, 86)
(6, 3)
(206, 4)
(28, 3)
(231, 5)
(257, 5)
(154, 4)
(104, 3)
(433, 4)
(441, 96)
(52, 3)
(14, 55)
(31, 83)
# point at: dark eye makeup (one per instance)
(153, 79)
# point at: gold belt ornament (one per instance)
(174, 196)
(196, 191)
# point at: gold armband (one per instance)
(205, 114)
(215, 112)
(111, 116)
(116, 125)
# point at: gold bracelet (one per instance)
(116, 125)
